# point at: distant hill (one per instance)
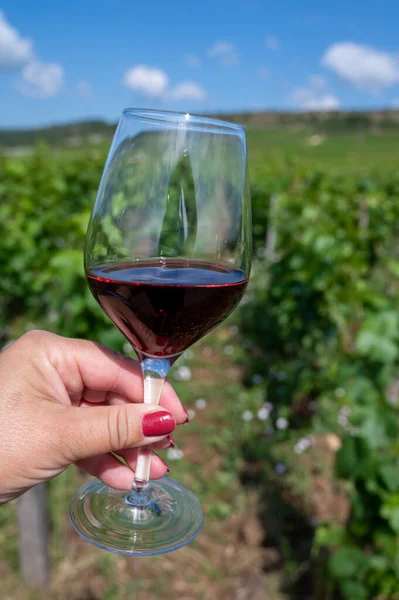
(327, 119)
(73, 134)
(70, 134)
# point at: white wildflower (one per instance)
(174, 454)
(183, 373)
(233, 330)
(191, 414)
(340, 392)
(127, 348)
(189, 354)
(263, 414)
(229, 350)
(247, 416)
(282, 423)
(303, 444)
(200, 404)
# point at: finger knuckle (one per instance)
(57, 438)
(119, 428)
(34, 337)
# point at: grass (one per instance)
(344, 152)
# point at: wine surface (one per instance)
(163, 306)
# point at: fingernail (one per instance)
(156, 423)
(167, 442)
(186, 413)
(164, 463)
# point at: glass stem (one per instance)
(154, 372)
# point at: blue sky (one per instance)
(61, 61)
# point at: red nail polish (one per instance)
(160, 422)
(164, 463)
(186, 413)
(171, 441)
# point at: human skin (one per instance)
(65, 401)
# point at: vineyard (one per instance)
(300, 467)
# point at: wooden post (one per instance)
(33, 524)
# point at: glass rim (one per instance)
(170, 117)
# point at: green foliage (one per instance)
(179, 227)
(45, 204)
(58, 135)
(347, 563)
(321, 325)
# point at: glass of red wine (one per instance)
(167, 257)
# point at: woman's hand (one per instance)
(66, 401)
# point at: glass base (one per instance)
(170, 518)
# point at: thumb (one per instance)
(102, 429)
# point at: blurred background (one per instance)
(293, 443)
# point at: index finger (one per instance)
(91, 371)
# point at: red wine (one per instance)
(165, 305)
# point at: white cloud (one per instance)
(193, 61)
(149, 81)
(362, 66)
(262, 73)
(314, 96)
(41, 80)
(38, 79)
(15, 51)
(272, 42)
(154, 82)
(84, 89)
(225, 52)
(188, 90)
(323, 102)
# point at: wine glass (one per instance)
(167, 257)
